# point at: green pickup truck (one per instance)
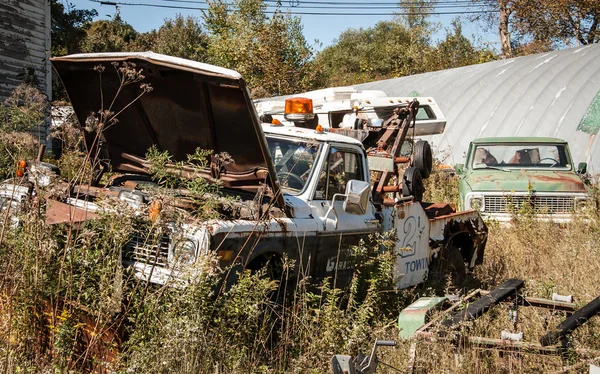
(504, 176)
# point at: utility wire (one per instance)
(102, 2)
(343, 5)
(449, 4)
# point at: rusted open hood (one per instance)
(191, 105)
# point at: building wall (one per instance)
(24, 44)
(555, 94)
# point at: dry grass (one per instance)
(56, 283)
(550, 258)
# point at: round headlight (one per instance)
(476, 203)
(583, 205)
(184, 251)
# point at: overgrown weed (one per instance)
(68, 305)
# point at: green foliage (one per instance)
(274, 57)
(456, 50)
(259, 334)
(205, 196)
(21, 115)
(179, 37)
(114, 35)
(24, 110)
(368, 54)
(392, 49)
(182, 38)
(69, 27)
(72, 161)
(555, 24)
(442, 187)
(414, 13)
(271, 53)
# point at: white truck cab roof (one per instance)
(308, 134)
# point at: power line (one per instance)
(448, 4)
(329, 5)
(301, 13)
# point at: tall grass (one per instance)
(68, 305)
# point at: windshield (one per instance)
(522, 156)
(293, 161)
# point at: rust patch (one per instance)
(438, 210)
(57, 212)
(282, 224)
(574, 182)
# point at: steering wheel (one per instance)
(284, 175)
(548, 158)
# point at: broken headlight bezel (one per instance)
(475, 202)
(184, 251)
(582, 204)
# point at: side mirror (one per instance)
(459, 169)
(582, 168)
(357, 197)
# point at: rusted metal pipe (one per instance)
(397, 188)
(396, 201)
(510, 345)
(402, 160)
(550, 304)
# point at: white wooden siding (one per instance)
(24, 43)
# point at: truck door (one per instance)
(339, 230)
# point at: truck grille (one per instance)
(150, 250)
(540, 204)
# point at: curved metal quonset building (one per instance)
(555, 94)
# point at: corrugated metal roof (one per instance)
(24, 43)
(555, 94)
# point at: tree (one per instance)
(68, 27)
(456, 50)
(270, 52)
(181, 37)
(562, 22)
(533, 26)
(389, 49)
(500, 17)
(114, 35)
(415, 13)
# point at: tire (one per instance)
(271, 263)
(412, 183)
(456, 262)
(422, 158)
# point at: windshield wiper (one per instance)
(492, 167)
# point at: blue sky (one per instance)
(325, 29)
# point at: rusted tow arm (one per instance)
(477, 303)
(385, 155)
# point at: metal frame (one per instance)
(478, 302)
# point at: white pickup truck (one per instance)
(302, 193)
